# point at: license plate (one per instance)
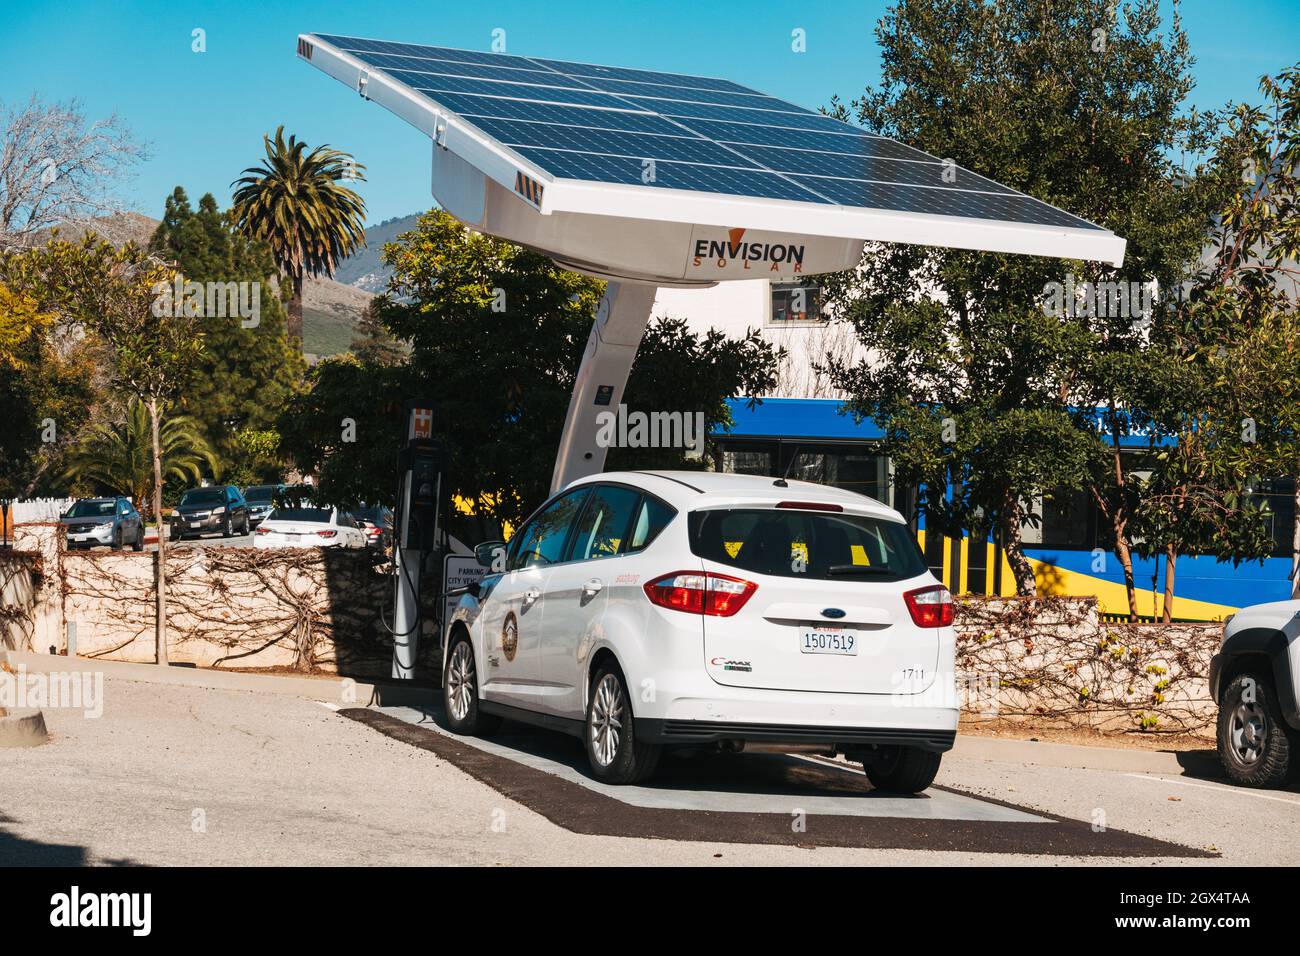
(195, 524)
(820, 639)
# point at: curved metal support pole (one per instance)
(621, 320)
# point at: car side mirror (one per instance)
(491, 555)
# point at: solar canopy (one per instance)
(651, 146)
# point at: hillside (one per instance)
(364, 270)
(331, 307)
(330, 311)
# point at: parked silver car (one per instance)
(109, 521)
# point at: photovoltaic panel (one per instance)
(612, 125)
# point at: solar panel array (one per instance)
(614, 125)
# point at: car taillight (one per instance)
(930, 606)
(327, 534)
(697, 592)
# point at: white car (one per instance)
(306, 526)
(647, 610)
(1255, 679)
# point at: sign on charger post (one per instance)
(458, 570)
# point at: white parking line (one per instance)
(334, 707)
(1210, 786)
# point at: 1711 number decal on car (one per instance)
(828, 640)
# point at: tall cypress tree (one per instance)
(249, 371)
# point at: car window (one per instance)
(300, 514)
(602, 530)
(541, 541)
(807, 544)
(652, 516)
(202, 496)
(91, 509)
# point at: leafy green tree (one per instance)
(296, 202)
(118, 296)
(249, 368)
(1078, 105)
(48, 385)
(117, 457)
(496, 334)
(373, 342)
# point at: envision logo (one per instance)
(737, 250)
(74, 909)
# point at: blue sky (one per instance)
(203, 115)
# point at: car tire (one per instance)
(460, 692)
(902, 769)
(1254, 741)
(138, 544)
(226, 529)
(609, 733)
(116, 543)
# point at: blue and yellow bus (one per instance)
(1070, 550)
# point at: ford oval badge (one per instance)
(832, 612)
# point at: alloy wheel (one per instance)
(606, 729)
(1249, 732)
(460, 681)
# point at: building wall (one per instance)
(738, 307)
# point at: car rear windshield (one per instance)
(807, 544)
(300, 514)
(204, 496)
(92, 509)
(262, 494)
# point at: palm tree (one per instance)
(297, 206)
(119, 455)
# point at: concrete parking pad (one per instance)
(752, 799)
(746, 783)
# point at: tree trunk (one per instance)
(1021, 569)
(1171, 564)
(1125, 555)
(294, 328)
(160, 565)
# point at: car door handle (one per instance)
(593, 586)
(531, 595)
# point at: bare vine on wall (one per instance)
(308, 609)
(1058, 663)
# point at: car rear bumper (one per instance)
(655, 730)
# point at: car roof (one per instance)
(692, 489)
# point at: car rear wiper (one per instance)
(857, 569)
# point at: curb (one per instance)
(1080, 757)
(340, 690)
(23, 728)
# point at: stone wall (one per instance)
(1053, 661)
(304, 609)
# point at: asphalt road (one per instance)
(192, 776)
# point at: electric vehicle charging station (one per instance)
(420, 465)
(651, 180)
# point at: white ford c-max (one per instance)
(646, 610)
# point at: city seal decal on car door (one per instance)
(510, 636)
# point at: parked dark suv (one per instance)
(205, 510)
(261, 501)
(110, 521)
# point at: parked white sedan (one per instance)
(308, 527)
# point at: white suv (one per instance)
(644, 610)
